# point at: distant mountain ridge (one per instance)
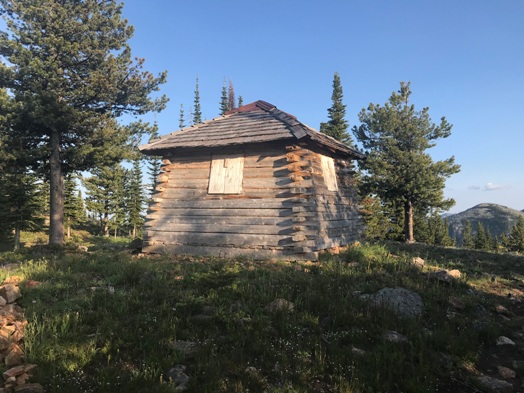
(496, 219)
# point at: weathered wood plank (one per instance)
(232, 203)
(231, 252)
(227, 229)
(219, 239)
(281, 222)
(182, 212)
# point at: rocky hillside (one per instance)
(497, 219)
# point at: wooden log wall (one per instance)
(333, 213)
(264, 221)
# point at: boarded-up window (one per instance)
(226, 174)
(330, 176)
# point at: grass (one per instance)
(106, 321)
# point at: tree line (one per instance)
(67, 78)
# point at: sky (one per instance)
(464, 59)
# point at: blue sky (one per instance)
(464, 59)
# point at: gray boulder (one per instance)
(401, 300)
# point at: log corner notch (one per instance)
(300, 168)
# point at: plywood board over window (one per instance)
(226, 174)
(328, 170)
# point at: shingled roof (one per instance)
(257, 122)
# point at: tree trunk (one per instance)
(69, 231)
(17, 238)
(408, 222)
(56, 219)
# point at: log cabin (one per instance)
(255, 182)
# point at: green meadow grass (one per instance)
(106, 321)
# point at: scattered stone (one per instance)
(447, 276)
(280, 305)
(22, 379)
(13, 280)
(32, 283)
(83, 248)
(500, 309)
(493, 385)
(30, 388)
(503, 318)
(186, 347)
(503, 340)
(18, 370)
(418, 262)
(403, 301)
(15, 357)
(456, 303)
(251, 370)
(395, 337)
(506, 373)
(178, 377)
(518, 364)
(3, 302)
(353, 264)
(358, 352)
(10, 292)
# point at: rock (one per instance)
(357, 351)
(15, 357)
(418, 262)
(83, 248)
(353, 264)
(403, 301)
(178, 377)
(456, 303)
(30, 388)
(503, 340)
(3, 302)
(13, 280)
(10, 292)
(506, 373)
(500, 309)
(280, 305)
(18, 370)
(395, 337)
(32, 283)
(447, 276)
(136, 244)
(22, 379)
(186, 347)
(493, 385)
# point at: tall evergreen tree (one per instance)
(135, 199)
(231, 97)
(240, 101)
(181, 120)
(467, 237)
(18, 203)
(516, 237)
(223, 99)
(74, 210)
(104, 194)
(197, 112)
(397, 167)
(337, 125)
(480, 240)
(69, 69)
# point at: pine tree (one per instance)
(223, 99)
(467, 237)
(516, 237)
(397, 167)
(231, 97)
(480, 240)
(240, 101)
(105, 194)
(154, 163)
(197, 113)
(18, 203)
(337, 125)
(74, 211)
(135, 199)
(377, 221)
(69, 68)
(181, 121)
